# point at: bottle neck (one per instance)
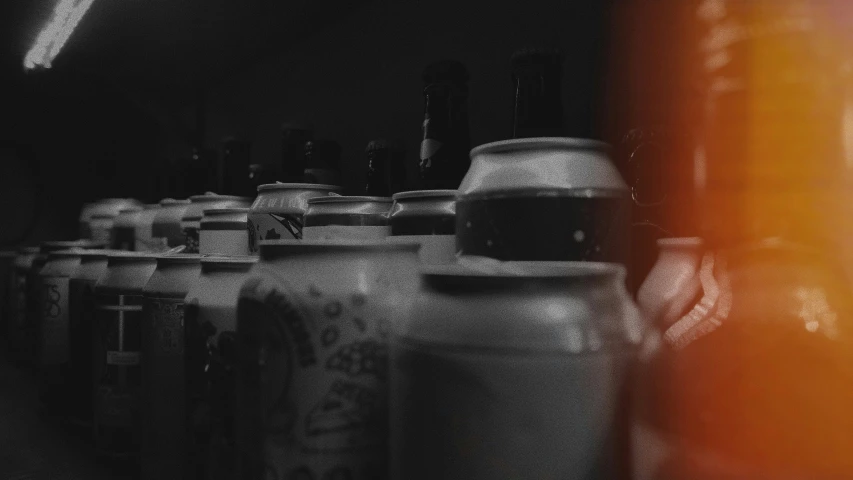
(377, 173)
(444, 149)
(538, 108)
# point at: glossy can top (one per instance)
(216, 263)
(228, 215)
(423, 203)
(346, 205)
(289, 197)
(93, 265)
(174, 275)
(127, 272)
(548, 163)
(212, 201)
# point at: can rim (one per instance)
(297, 186)
(538, 143)
(545, 270)
(349, 199)
(425, 194)
(216, 198)
(176, 258)
(229, 260)
(70, 253)
(66, 244)
(168, 202)
(127, 255)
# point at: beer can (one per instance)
(210, 360)
(557, 199)
(132, 228)
(520, 372)
(224, 232)
(673, 285)
(7, 294)
(313, 371)
(32, 319)
(191, 221)
(166, 229)
(101, 226)
(81, 304)
(104, 206)
(278, 210)
(54, 329)
(16, 327)
(116, 367)
(163, 414)
(347, 218)
(427, 217)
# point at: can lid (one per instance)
(451, 194)
(126, 210)
(215, 197)
(94, 254)
(175, 258)
(297, 186)
(229, 260)
(539, 143)
(166, 202)
(52, 246)
(223, 211)
(349, 199)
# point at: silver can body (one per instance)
(313, 321)
(224, 232)
(347, 218)
(132, 228)
(427, 217)
(110, 206)
(191, 221)
(514, 373)
(116, 356)
(210, 360)
(278, 211)
(166, 229)
(163, 414)
(544, 199)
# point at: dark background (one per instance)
(142, 81)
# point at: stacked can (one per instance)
(105, 208)
(313, 371)
(116, 368)
(191, 221)
(132, 228)
(166, 229)
(344, 217)
(278, 211)
(163, 419)
(210, 360)
(81, 303)
(224, 232)
(427, 217)
(516, 373)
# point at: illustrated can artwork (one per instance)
(273, 226)
(319, 365)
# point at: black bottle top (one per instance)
(538, 105)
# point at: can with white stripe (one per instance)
(191, 221)
(347, 218)
(279, 209)
(427, 217)
(224, 232)
(166, 230)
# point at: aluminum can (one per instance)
(545, 199)
(224, 232)
(7, 293)
(673, 285)
(108, 206)
(101, 226)
(16, 327)
(53, 330)
(116, 367)
(191, 221)
(32, 319)
(81, 303)
(427, 217)
(132, 228)
(514, 373)
(347, 218)
(313, 372)
(210, 360)
(166, 229)
(163, 412)
(278, 210)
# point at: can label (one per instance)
(316, 369)
(167, 316)
(124, 238)
(117, 370)
(346, 232)
(191, 239)
(232, 241)
(54, 321)
(273, 226)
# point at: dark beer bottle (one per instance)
(538, 108)
(235, 167)
(378, 156)
(323, 158)
(444, 159)
(294, 136)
